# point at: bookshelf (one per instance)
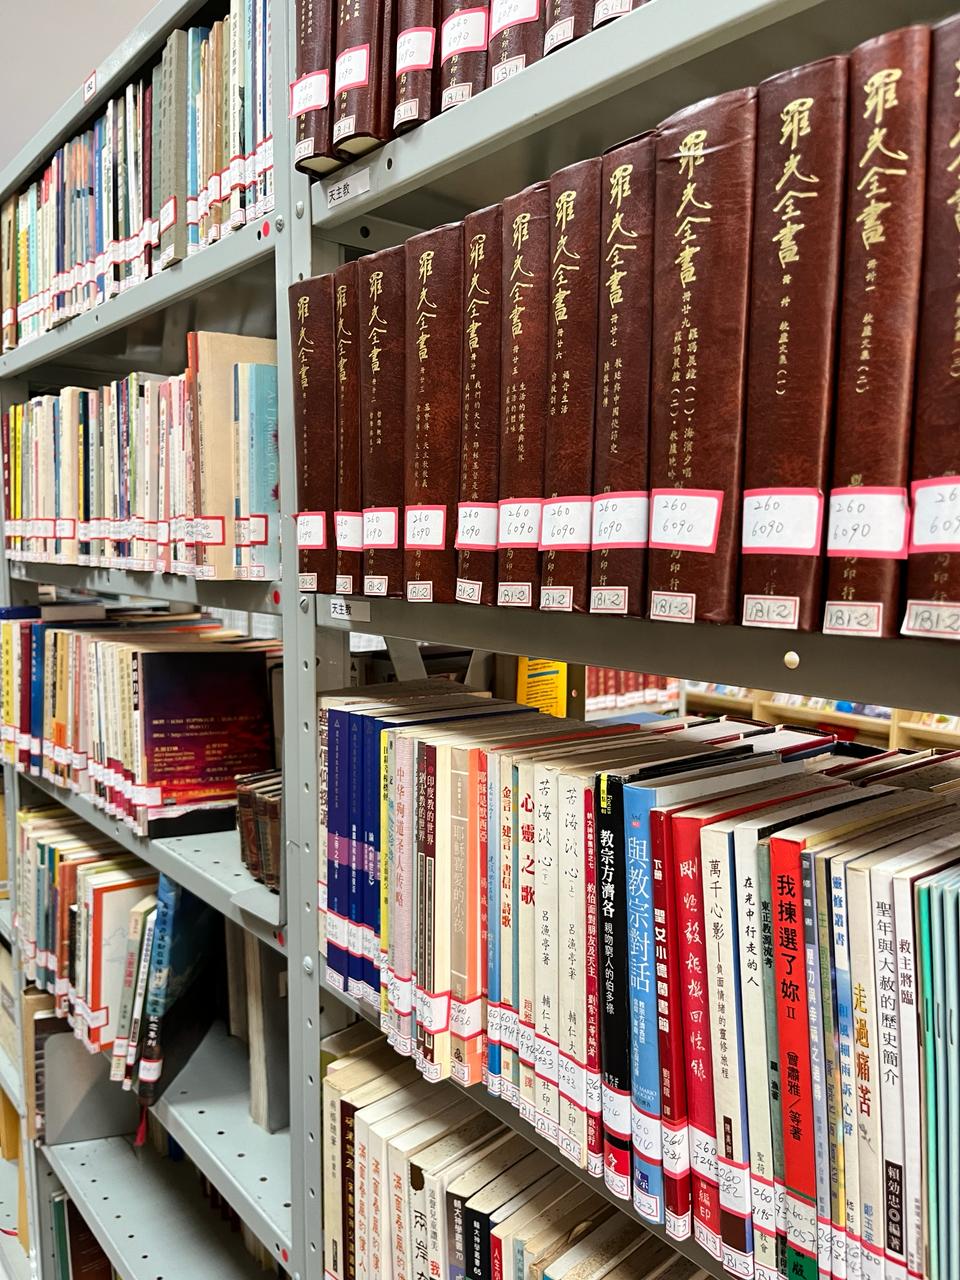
(14, 1263)
(587, 96)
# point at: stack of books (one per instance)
(695, 382)
(259, 818)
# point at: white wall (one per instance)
(47, 50)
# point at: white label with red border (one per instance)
(349, 530)
(310, 93)
(932, 618)
(380, 527)
(463, 32)
(609, 600)
(519, 522)
(210, 530)
(312, 531)
(778, 612)
(168, 214)
(353, 68)
(673, 606)
(415, 48)
(621, 519)
(782, 521)
(685, 519)
(841, 618)
(871, 522)
(936, 515)
(565, 523)
(419, 592)
(477, 524)
(514, 595)
(468, 591)
(425, 527)
(510, 13)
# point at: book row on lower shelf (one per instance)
(372, 71)
(152, 716)
(173, 475)
(704, 377)
(419, 1181)
(608, 689)
(712, 961)
(182, 159)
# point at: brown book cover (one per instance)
(463, 50)
(414, 63)
(621, 504)
(8, 274)
(382, 318)
(348, 518)
(515, 37)
(87, 1260)
(867, 532)
(362, 104)
(480, 459)
(565, 525)
(605, 11)
(794, 300)
(434, 303)
(566, 20)
(705, 169)
(524, 404)
(933, 571)
(310, 93)
(314, 420)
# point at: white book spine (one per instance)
(543, 942)
(508, 1009)
(528, 948)
(399, 1205)
(910, 1073)
(889, 1073)
(866, 1063)
(848, 1083)
(418, 1234)
(571, 1029)
(361, 1192)
(402, 920)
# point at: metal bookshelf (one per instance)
(14, 1262)
(605, 87)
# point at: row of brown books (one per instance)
(371, 70)
(608, 689)
(708, 376)
(259, 808)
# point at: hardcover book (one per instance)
(566, 20)
(515, 37)
(463, 50)
(348, 517)
(311, 92)
(605, 11)
(415, 62)
(362, 112)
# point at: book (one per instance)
(348, 518)
(464, 25)
(605, 11)
(524, 404)
(565, 20)
(621, 503)
(266, 1013)
(173, 207)
(433, 344)
(362, 112)
(801, 139)
(704, 203)
(931, 584)
(414, 63)
(566, 516)
(311, 91)
(867, 536)
(515, 38)
(477, 512)
(135, 938)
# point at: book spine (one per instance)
(311, 92)
(139, 996)
(357, 112)
(414, 63)
(831, 1068)
(621, 500)
(515, 37)
(928, 1096)
(403, 914)
(509, 898)
(349, 515)
(567, 515)
(371, 878)
(382, 372)
(561, 909)
(464, 25)
(592, 973)
(465, 1020)
(356, 858)
(705, 163)
(605, 11)
(338, 959)
(388, 838)
(434, 302)
(793, 1028)
(314, 415)
(494, 1010)
(910, 1069)
(536, 828)
(933, 570)
(801, 147)
(566, 20)
(524, 404)
(817, 1067)
(867, 533)
(764, 892)
(476, 540)
(348, 1199)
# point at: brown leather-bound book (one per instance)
(381, 285)
(311, 91)
(434, 303)
(516, 37)
(606, 10)
(362, 93)
(348, 518)
(524, 403)
(566, 20)
(565, 525)
(705, 169)
(463, 50)
(621, 503)
(794, 298)
(480, 460)
(933, 571)
(414, 63)
(314, 419)
(886, 172)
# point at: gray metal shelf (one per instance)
(10, 1081)
(208, 865)
(899, 672)
(206, 1109)
(14, 1264)
(148, 1214)
(6, 919)
(253, 597)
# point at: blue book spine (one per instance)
(644, 1045)
(37, 641)
(168, 894)
(370, 914)
(357, 855)
(337, 963)
(264, 474)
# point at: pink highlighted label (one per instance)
(869, 521)
(686, 519)
(782, 521)
(936, 515)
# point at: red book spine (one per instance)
(516, 37)
(349, 515)
(464, 27)
(933, 575)
(692, 956)
(868, 521)
(673, 1082)
(414, 63)
(594, 1078)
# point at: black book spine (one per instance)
(473, 1234)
